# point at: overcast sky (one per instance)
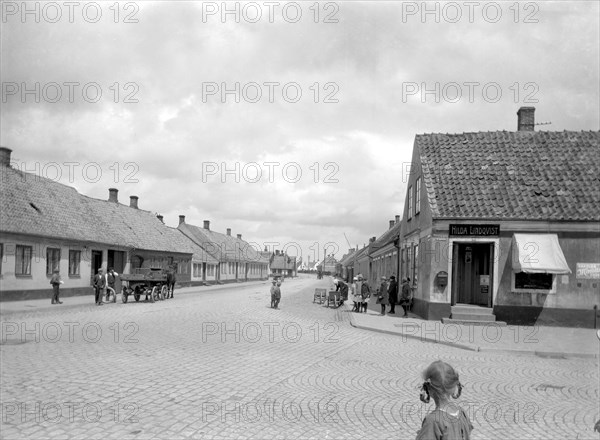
(163, 130)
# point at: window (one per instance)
(415, 262)
(1, 256)
(533, 281)
(23, 260)
(418, 196)
(74, 262)
(52, 260)
(410, 203)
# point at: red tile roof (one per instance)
(512, 175)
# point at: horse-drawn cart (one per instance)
(151, 282)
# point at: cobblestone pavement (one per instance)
(223, 364)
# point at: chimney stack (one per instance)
(113, 195)
(5, 156)
(207, 224)
(526, 119)
(392, 223)
(133, 201)
(181, 219)
(160, 217)
(239, 236)
(397, 219)
(228, 231)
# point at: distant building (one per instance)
(282, 264)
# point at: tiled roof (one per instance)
(222, 247)
(512, 175)
(34, 205)
(347, 259)
(387, 237)
(199, 254)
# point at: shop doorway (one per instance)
(472, 273)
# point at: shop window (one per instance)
(23, 260)
(74, 262)
(418, 196)
(533, 282)
(410, 203)
(52, 260)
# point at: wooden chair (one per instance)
(320, 295)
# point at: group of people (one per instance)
(104, 282)
(386, 294)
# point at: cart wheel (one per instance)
(164, 292)
(124, 295)
(153, 293)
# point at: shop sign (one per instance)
(588, 271)
(466, 230)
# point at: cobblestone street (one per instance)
(223, 364)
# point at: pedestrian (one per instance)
(99, 285)
(56, 281)
(111, 278)
(382, 295)
(406, 297)
(171, 280)
(393, 294)
(275, 294)
(343, 289)
(356, 295)
(365, 292)
(447, 420)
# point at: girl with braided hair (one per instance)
(447, 421)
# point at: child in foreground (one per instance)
(447, 421)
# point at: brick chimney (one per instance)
(133, 201)
(392, 223)
(160, 217)
(526, 119)
(228, 231)
(397, 219)
(5, 156)
(207, 224)
(181, 219)
(239, 236)
(113, 195)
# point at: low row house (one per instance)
(283, 265)
(231, 259)
(47, 226)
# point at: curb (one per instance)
(477, 348)
(25, 308)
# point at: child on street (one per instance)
(275, 294)
(447, 421)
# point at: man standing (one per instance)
(406, 296)
(111, 278)
(99, 285)
(393, 294)
(56, 282)
(382, 295)
(171, 279)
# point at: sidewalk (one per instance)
(36, 305)
(553, 342)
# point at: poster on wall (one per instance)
(588, 271)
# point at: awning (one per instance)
(538, 253)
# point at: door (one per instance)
(96, 264)
(472, 273)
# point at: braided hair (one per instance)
(440, 381)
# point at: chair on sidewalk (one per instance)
(320, 295)
(334, 298)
